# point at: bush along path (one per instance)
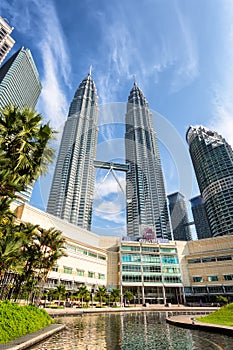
(16, 321)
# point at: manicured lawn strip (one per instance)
(223, 316)
(16, 321)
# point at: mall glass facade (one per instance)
(151, 271)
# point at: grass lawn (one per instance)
(223, 316)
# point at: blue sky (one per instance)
(180, 52)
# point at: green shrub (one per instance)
(16, 321)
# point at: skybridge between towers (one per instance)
(111, 165)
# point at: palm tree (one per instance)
(23, 139)
(24, 151)
(60, 292)
(101, 293)
(83, 293)
(129, 295)
(115, 293)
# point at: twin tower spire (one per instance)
(72, 190)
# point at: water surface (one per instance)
(131, 331)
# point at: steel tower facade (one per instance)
(147, 212)
(179, 217)
(212, 159)
(72, 187)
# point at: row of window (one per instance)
(210, 289)
(90, 274)
(150, 259)
(209, 259)
(213, 278)
(85, 252)
(148, 249)
(151, 278)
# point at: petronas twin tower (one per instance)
(72, 190)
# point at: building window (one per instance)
(130, 248)
(212, 278)
(67, 269)
(55, 268)
(150, 249)
(209, 259)
(101, 257)
(194, 261)
(149, 258)
(169, 260)
(93, 255)
(91, 274)
(101, 276)
(228, 277)
(168, 250)
(197, 279)
(224, 257)
(80, 272)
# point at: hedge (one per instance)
(16, 320)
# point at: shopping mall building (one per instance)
(155, 271)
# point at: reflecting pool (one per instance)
(131, 331)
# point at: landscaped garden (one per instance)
(223, 316)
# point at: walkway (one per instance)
(189, 321)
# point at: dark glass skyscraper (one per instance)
(212, 159)
(200, 218)
(147, 213)
(21, 86)
(72, 188)
(179, 217)
(19, 80)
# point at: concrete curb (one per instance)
(188, 321)
(28, 340)
(78, 312)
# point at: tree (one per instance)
(221, 300)
(101, 293)
(60, 292)
(83, 293)
(24, 152)
(129, 295)
(24, 146)
(115, 293)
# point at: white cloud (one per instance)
(41, 24)
(222, 120)
(109, 199)
(187, 63)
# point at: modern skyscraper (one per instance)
(6, 41)
(21, 86)
(147, 213)
(179, 217)
(200, 218)
(19, 80)
(212, 159)
(73, 182)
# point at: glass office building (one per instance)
(212, 159)
(179, 217)
(20, 85)
(151, 271)
(200, 218)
